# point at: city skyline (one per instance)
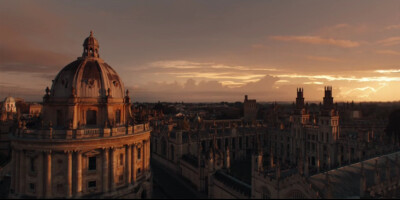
(196, 51)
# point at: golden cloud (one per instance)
(390, 41)
(317, 41)
(388, 52)
(321, 58)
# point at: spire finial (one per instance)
(91, 33)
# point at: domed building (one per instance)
(8, 109)
(87, 145)
(9, 105)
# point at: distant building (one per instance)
(9, 105)
(306, 155)
(250, 109)
(35, 109)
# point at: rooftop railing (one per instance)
(81, 133)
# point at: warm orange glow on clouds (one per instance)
(209, 50)
(317, 40)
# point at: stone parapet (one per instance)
(81, 133)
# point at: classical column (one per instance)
(128, 164)
(48, 175)
(148, 154)
(113, 162)
(78, 191)
(23, 173)
(144, 155)
(105, 170)
(18, 170)
(41, 170)
(134, 163)
(69, 172)
(14, 167)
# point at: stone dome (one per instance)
(88, 76)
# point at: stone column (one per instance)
(22, 178)
(128, 164)
(18, 170)
(148, 154)
(69, 176)
(14, 167)
(113, 162)
(40, 175)
(78, 173)
(48, 175)
(144, 155)
(105, 170)
(134, 164)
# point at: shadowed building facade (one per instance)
(87, 145)
(307, 154)
(249, 109)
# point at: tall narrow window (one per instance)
(92, 163)
(138, 154)
(91, 117)
(121, 159)
(32, 164)
(60, 120)
(118, 116)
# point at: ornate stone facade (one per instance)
(87, 145)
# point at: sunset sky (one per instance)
(197, 51)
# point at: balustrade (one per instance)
(81, 133)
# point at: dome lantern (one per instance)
(90, 47)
